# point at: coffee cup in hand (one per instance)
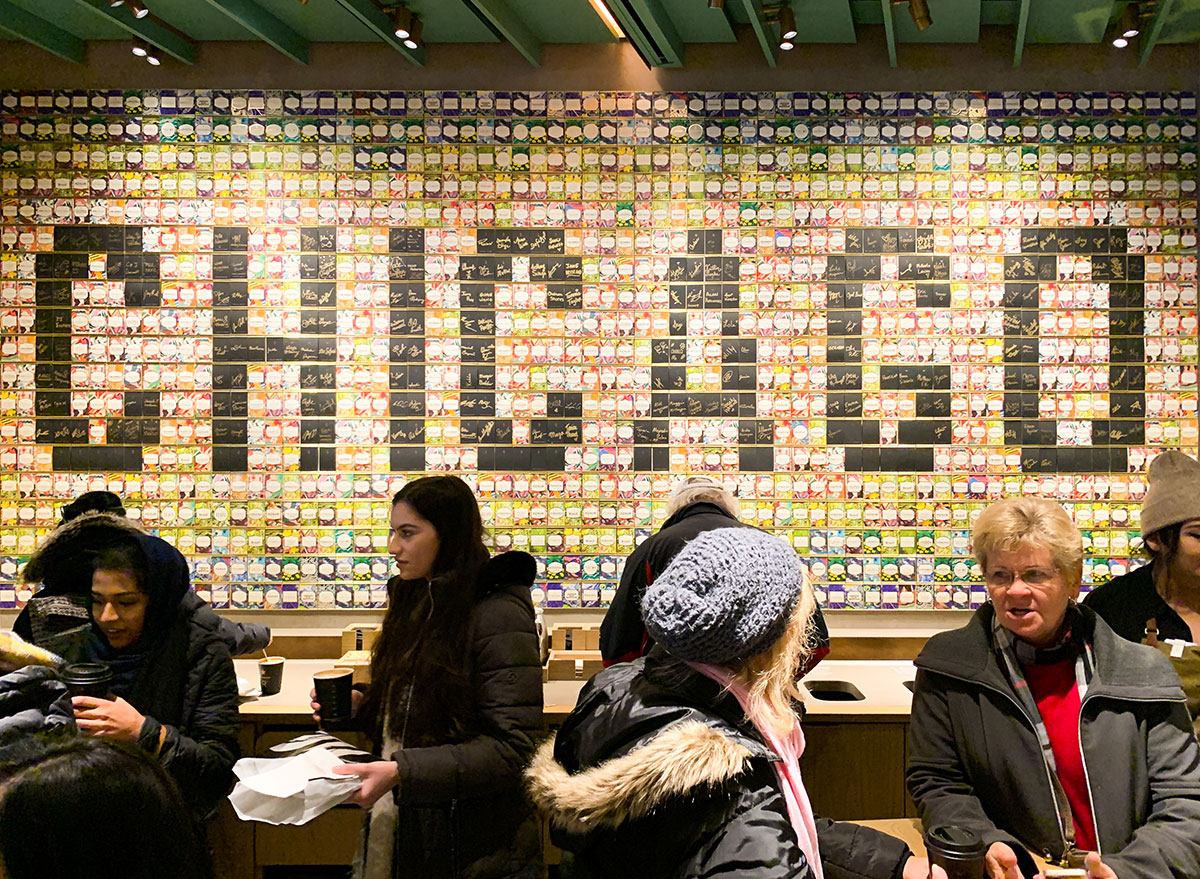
(88, 679)
(958, 851)
(334, 693)
(270, 675)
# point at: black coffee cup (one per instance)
(958, 851)
(88, 679)
(334, 688)
(270, 675)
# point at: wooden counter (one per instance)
(853, 764)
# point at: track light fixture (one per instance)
(143, 49)
(787, 23)
(139, 10)
(1127, 27)
(413, 40)
(787, 28)
(115, 3)
(716, 4)
(402, 18)
(919, 10)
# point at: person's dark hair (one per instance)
(73, 807)
(125, 556)
(92, 502)
(429, 633)
(1161, 559)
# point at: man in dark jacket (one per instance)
(697, 504)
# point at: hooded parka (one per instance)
(658, 773)
(974, 758)
(461, 810)
(185, 684)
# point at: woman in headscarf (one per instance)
(114, 594)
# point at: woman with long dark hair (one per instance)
(455, 702)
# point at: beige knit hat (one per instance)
(1174, 492)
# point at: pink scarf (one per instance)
(789, 749)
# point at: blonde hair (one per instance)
(770, 676)
(693, 489)
(1031, 522)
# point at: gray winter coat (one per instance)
(974, 758)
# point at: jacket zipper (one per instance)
(454, 837)
(1087, 780)
(1033, 729)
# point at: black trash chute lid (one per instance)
(956, 841)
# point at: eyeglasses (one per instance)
(1031, 577)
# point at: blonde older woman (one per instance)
(1038, 728)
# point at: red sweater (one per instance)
(1057, 697)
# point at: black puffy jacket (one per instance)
(32, 698)
(186, 686)
(657, 773)
(462, 810)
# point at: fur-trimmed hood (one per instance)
(643, 734)
(63, 545)
(673, 764)
(64, 562)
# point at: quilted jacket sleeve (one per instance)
(850, 851)
(200, 752)
(507, 677)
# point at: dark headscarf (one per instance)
(64, 565)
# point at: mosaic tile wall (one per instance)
(254, 313)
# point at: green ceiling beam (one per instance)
(28, 27)
(889, 28)
(1022, 24)
(762, 30)
(1161, 11)
(500, 16)
(378, 22)
(265, 26)
(149, 29)
(650, 29)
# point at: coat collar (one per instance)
(643, 733)
(1124, 670)
(699, 508)
(678, 760)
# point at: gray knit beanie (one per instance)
(1174, 492)
(727, 595)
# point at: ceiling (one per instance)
(660, 30)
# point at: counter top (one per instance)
(881, 684)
